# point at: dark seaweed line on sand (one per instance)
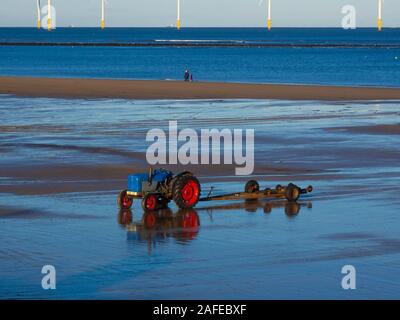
(183, 44)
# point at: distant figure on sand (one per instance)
(191, 77)
(187, 75)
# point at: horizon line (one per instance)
(203, 27)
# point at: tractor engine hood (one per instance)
(138, 183)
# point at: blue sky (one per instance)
(199, 13)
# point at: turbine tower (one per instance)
(269, 24)
(379, 15)
(178, 19)
(103, 24)
(49, 15)
(38, 13)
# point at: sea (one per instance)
(325, 56)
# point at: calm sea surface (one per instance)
(160, 57)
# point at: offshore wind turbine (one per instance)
(269, 12)
(49, 15)
(379, 15)
(178, 19)
(103, 24)
(38, 13)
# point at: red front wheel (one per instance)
(149, 202)
(124, 202)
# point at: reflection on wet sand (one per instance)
(251, 206)
(158, 226)
(59, 176)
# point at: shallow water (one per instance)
(63, 162)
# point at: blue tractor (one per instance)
(158, 187)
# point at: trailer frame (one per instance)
(279, 192)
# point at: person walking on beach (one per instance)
(187, 75)
(191, 77)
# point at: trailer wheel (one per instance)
(251, 186)
(124, 202)
(292, 193)
(186, 192)
(149, 202)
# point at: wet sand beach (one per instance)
(63, 162)
(151, 89)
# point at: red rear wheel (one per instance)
(187, 192)
(190, 192)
